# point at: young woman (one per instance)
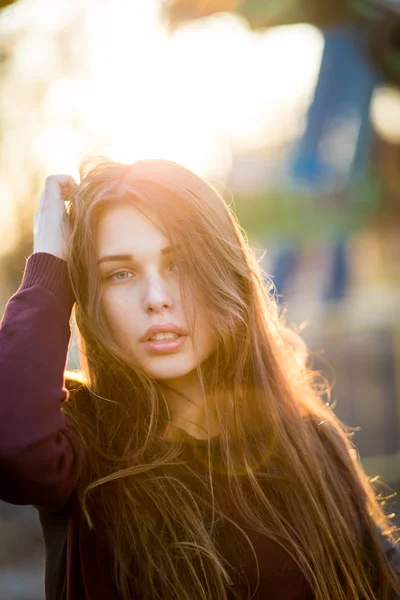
(195, 458)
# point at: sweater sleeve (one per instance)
(39, 454)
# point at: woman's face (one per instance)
(141, 290)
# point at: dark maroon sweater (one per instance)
(40, 454)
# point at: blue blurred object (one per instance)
(285, 263)
(333, 154)
(334, 150)
(337, 277)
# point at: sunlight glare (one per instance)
(211, 86)
(108, 78)
(385, 113)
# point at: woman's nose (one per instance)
(157, 298)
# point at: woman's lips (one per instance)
(165, 346)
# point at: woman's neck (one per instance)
(186, 405)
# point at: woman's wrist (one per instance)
(51, 272)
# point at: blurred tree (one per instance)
(4, 3)
(381, 20)
(262, 13)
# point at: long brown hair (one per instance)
(290, 468)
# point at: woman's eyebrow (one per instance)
(115, 257)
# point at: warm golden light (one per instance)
(385, 113)
(120, 84)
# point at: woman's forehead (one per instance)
(123, 228)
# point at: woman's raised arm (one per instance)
(39, 454)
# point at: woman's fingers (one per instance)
(58, 186)
(51, 232)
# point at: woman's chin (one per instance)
(170, 372)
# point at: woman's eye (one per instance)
(120, 276)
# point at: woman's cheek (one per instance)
(114, 313)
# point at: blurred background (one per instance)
(291, 108)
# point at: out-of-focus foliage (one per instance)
(287, 12)
(12, 261)
(4, 3)
(262, 13)
(289, 213)
(381, 21)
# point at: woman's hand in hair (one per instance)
(51, 229)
